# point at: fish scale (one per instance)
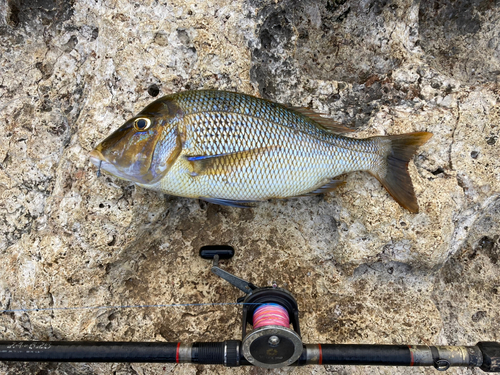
(301, 157)
(230, 148)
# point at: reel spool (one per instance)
(271, 343)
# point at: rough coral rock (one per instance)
(363, 269)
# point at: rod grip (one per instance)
(71, 351)
(208, 353)
(377, 355)
(441, 357)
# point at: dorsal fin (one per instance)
(324, 123)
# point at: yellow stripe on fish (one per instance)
(231, 148)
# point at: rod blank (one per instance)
(485, 354)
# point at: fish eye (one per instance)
(142, 124)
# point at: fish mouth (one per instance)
(97, 158)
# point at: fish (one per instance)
(235, 149)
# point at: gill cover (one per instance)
(145, 147)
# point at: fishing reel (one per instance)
(271, 311)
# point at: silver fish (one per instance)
(233, 149)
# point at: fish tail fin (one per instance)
(393, 173)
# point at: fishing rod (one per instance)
(273, 342)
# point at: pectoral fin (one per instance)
(224, 163)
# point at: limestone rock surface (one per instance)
(363, 269)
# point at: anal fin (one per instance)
(229, 202)
(331, 185)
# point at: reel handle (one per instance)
(223, 251)
(217, 252)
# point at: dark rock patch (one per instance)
(460, 38)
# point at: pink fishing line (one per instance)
(270, 314)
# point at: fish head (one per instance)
(144, 148)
